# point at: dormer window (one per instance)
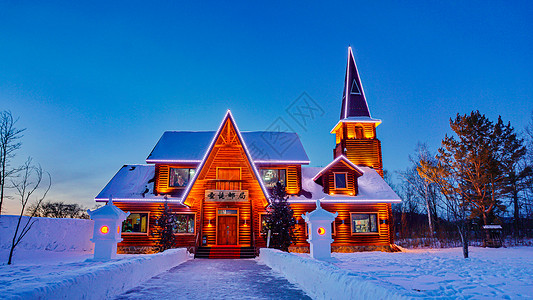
(180, 177)
(340, 181)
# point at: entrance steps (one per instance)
(225, 252)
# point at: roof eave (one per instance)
(370, 120)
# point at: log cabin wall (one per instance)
(343, 232)
(358, 142)
(149, 240)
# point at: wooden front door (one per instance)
(227, 230)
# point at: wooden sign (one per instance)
(226, 195)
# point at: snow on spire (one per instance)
(353, 99)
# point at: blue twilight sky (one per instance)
(96, 84)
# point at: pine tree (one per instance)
(279, 220)
(165, 229)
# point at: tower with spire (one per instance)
(355, 132)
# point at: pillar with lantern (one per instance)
(107, 230)
(319, 225)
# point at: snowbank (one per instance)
(88, 279)
(489, 273)
(49, 234)
(322, 280)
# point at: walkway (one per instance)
(217, 279)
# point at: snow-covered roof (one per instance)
(133, 183)
(136, 183)
(264, 147)
(334, 162)
(108, 211)
(371, 187)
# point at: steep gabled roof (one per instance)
(353, 98)
(264, 147)
(339, 160)
(227, 118)
(354, 105)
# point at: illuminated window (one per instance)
(184, 223)
(340, 180)
(359, 132)
(364, 223)
(136, 223)
(179, 177)
(272, 176)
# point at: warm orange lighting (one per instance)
(104, 229)
(321, 231)
(118, 229)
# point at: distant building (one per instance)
(218, 182)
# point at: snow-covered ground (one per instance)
(444, 273)
(504, 273)
(53, 261)
(72, 275)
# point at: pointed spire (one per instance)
(353, 98)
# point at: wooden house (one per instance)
(218, 183)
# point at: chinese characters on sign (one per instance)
(226, 195)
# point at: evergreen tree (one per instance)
(165, 229)
(475, 168)
(279, 220)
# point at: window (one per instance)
(340, 180)
(364, 223)
(229, 179)
(359, 132)
(228, 211)
(184, 223)
(179, 177)
(136, 223)
(272, 176)
(262, 224)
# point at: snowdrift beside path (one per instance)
(322, 280)
(87, 279)
(49, 234)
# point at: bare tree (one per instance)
(26, 186)
(58, 209)
(425, 189)
(9, 143)
(454, 197)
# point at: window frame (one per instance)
(364, 213)
(278, 169)
(345, 181)
(188, 180)
(147, 224)
(194, 226)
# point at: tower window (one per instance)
(359, 132)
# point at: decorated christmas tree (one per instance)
(165, 229)
(279, 220)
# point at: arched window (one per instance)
(359, 133)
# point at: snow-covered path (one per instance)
(217, 279)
